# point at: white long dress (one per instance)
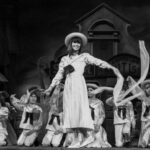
(75, 98)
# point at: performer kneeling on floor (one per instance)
(98, 137)
(4, 112)
(124, 119)
(55, 132)
(31, 120)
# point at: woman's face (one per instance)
(33, 98)
(89, 92)
(76, 44)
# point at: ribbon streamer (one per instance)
(144, 57)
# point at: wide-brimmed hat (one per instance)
(92, 85)
(78, 35)
(144, 83)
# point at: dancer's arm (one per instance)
(17, 103)
(103, 64)
(58, 77)
(101, 89)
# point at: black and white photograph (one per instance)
(74, 74)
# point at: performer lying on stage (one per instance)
(31, 120)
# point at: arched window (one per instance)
(104, 38)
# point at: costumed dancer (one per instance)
(11, 137)
(55, 132)
(99, 135)
(142, 94)
(4, 112)
(31, 120)
(145, 115)
(75, 98)
(124, 119)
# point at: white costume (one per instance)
(98, 116)
(145, 115)
(145, 126)
(31, 122)
(55, 130)
(75, 97)
(123, 119)
(3, 126)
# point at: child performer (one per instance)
(55, 132)
(123, 119)
(145, 115)
(142, 94)
(4, 112)
(31, 120)
(11, 137)
(98, 137)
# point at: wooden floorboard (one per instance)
(62, 148)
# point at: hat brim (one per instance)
(91, 85)
(143, 84)
(76, 34)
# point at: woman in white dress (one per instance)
(75, 98)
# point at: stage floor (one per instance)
(62, 148)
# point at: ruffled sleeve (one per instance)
(17, 103)
(89, 59)
(59, 75)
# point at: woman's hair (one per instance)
(35, 91)
(77, 39)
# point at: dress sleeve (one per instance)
(89, 59)
(59, 75)
(4, 113)
(16, 103)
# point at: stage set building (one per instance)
(108, 39)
